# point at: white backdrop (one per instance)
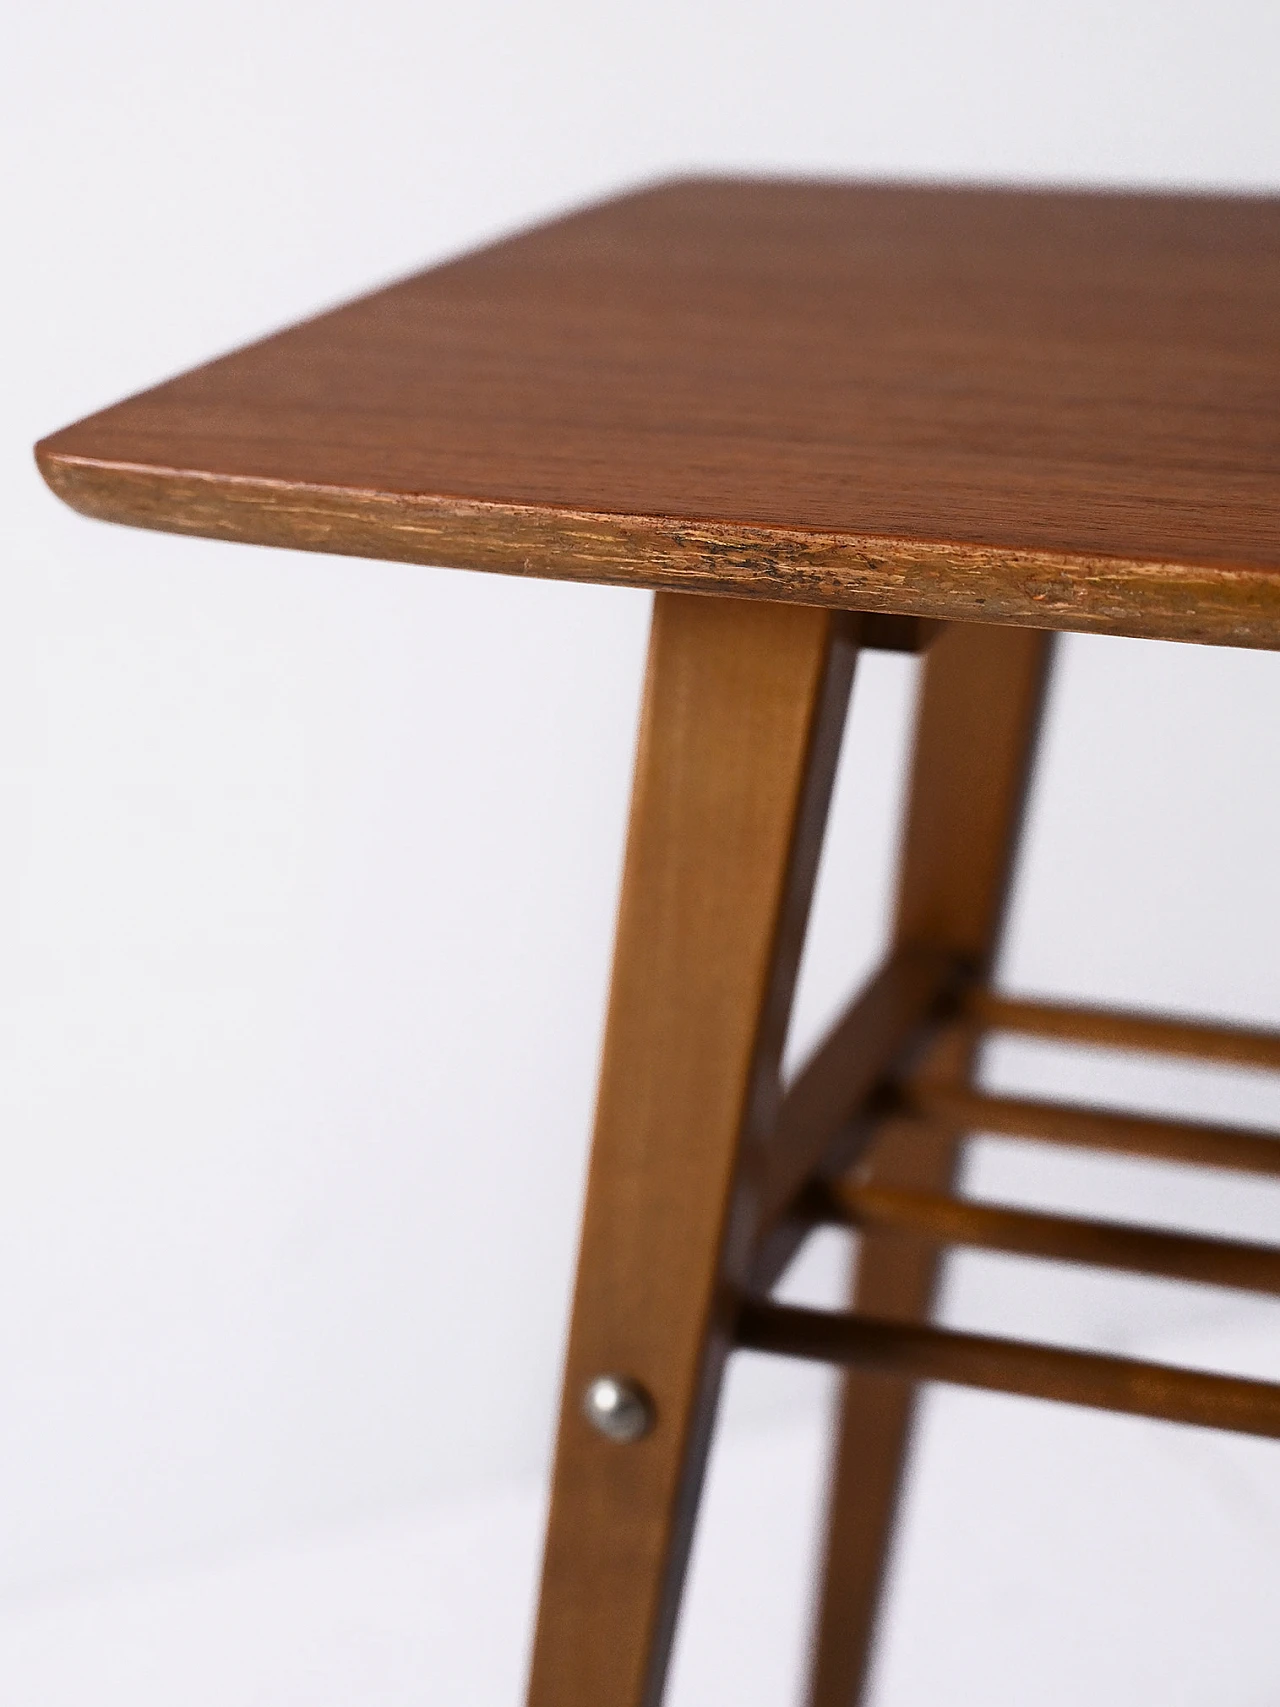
(309, 865)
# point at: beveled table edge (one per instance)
(952, 580)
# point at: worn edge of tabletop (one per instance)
(1224, 605)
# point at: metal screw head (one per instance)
(618, 1408)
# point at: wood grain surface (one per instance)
(743, 711)
(1058, 410)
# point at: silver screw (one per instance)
(618, 1408)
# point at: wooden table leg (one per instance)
(743, 711)
(979, 714)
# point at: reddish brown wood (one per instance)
(1061, 1238)
(1010, 1366)
(744, 705)
(1046, 408)
(1110, 1028)
(979, 710)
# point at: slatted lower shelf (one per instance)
(878, 1066)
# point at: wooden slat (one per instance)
(1063, 1238)
(891, 1012)
(1157, 1034)
(1010, 1366)
(1206, 1145)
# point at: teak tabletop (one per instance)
(1053, 409)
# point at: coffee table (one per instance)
(816, 418)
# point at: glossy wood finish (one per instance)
(1012, 1366)
(1043, 408)
(979, 712)
(1110, 1028)
(744, 706)
(1061, 1238)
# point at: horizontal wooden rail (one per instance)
(893, 1012)
(1102, 1244)
(1248, 1151)
(1112, 1029)
(1011, 1366)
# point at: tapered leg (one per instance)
(979, 714)
(744, 705)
